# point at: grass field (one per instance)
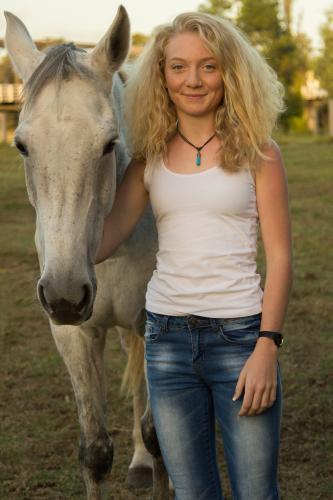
(39, 429)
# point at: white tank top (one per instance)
(207, 225)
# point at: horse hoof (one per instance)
(140, 477)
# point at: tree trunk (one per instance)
(330, 117)
(3, 127)
(287, 4)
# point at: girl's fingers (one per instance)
(272, 396)
(265, 402)
(247, 401)
(240, 386)
(257, 401)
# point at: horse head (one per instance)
(68, 134)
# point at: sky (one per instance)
(83, 21)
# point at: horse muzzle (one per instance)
(70, 308)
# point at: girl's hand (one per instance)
(258, 378)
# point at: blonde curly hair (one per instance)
(252, 101)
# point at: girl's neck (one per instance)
(196, 129)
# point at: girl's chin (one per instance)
(195, 108)
(196, 112)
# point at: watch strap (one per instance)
(276, 336)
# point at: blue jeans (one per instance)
(193, 364)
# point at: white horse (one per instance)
(71, 136)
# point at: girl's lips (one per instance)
(194, 96)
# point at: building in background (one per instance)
(316, 105)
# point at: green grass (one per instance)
(39, 428)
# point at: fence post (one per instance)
(3, 127)
(330, 117)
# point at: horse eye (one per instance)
(109, 146)
(22, 148)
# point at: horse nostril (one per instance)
(42, 298)
(85, 299)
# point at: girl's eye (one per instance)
(177, 67)
(210, 67)
(22, 148)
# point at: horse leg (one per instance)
(140, 469)
(160, 475)
(140, 473)
(82, 351)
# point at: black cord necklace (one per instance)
(198, 158)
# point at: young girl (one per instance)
(202, 104)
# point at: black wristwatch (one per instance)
(276, 336)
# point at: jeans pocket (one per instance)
(241, 331)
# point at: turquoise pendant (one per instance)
(198, 159)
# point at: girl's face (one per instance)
(192, 75)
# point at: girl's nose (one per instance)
(193, 79)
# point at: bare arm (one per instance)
(258, 376)
(272, 201)
(130, 201)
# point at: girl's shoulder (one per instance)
(271, 177)
(271, 155)
(146, 169)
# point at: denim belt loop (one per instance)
(164, 323)
(214, 324)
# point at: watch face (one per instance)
(279, 339)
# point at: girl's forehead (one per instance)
(185, 45)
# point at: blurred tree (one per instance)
(288, 54)
(287, 7)
(217, 7)
(139, 39)
(259, 19)
(324, 63)
(284, 57)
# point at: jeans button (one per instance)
(192, 321)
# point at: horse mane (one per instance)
(60, 64)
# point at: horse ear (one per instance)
(111, 51)
(22, 51)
